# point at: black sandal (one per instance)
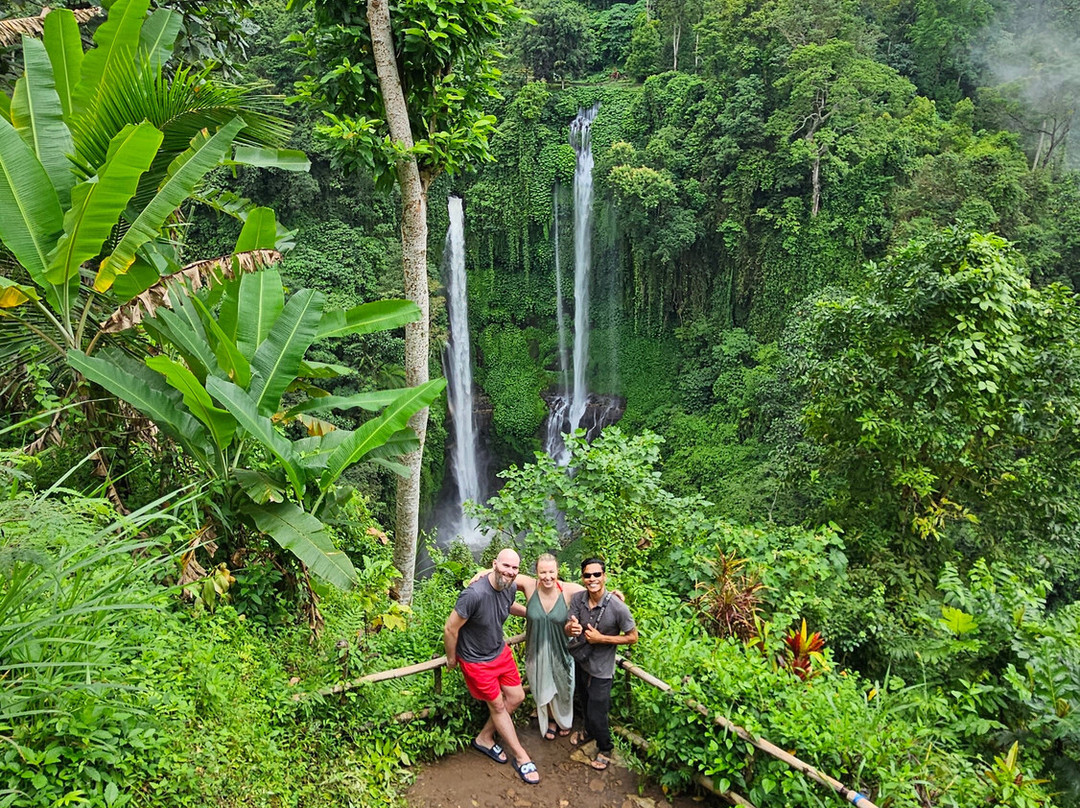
(549, 734)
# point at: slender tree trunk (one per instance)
(414, 263)
(1039, 148)
(676, 36)
(815, 176)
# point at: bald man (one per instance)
(473, 637)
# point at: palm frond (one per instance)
(181, 105)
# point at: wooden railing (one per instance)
(438, 663)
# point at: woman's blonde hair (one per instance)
(547, 557)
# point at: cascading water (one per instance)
(559, 313)
(466, 467)
(581, 140)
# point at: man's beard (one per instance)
(500, 583)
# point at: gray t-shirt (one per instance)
(599, 660)
(485, 609)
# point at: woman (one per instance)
(548, 665)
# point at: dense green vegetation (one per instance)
(834, 279)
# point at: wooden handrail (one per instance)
(854, 797)
(396, 673)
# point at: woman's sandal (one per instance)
(563, 732)
(600, 762)
(549, 734)
(578, 738)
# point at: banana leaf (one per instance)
(368, 317)
(305, 537)
(380, 430)
(277, 359)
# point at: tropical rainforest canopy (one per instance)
(832, 314)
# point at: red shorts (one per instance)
(486, 680)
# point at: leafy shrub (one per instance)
(838, 723)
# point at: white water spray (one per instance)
(466, 468)
(559, 313)
(581, 140)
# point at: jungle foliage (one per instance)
(834, 273)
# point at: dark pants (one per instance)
(594, 702)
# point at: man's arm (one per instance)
(596, 638)
(450, 635)
(518, 609)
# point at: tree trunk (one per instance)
(414, 263)
(676, 36)
(1039, 148)
(815, 176)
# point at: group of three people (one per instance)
(571, 633)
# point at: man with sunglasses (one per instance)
(597, 623)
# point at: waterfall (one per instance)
(581, 140)
(559, 313)
(466, 468)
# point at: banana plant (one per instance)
(98, 151)
(232, 385)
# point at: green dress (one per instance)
(548, 664)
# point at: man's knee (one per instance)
(513, 697)
(498, 705)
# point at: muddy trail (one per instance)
(469, 779)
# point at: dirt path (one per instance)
(471, 780)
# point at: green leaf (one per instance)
(30, 213)
(97, 203)
(38, 117)
(185, 171)
(368, 317)
(147, 270)
(277, 359)
(260, 304)
(229, 358)
(244, 410)
(305, 537)
(315, 451)
(399, 469)
(220, 422)
(378, 431)
(259, 231)
(373, 401)
(63, 42)
(116, 40)
(262, 488)
(285, 159)
(158, 36)
(956, 621)
(5, 106)
(184, 330)
(145, 390)
(323, 370)
(400, 443)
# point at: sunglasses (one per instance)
(592, 574)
